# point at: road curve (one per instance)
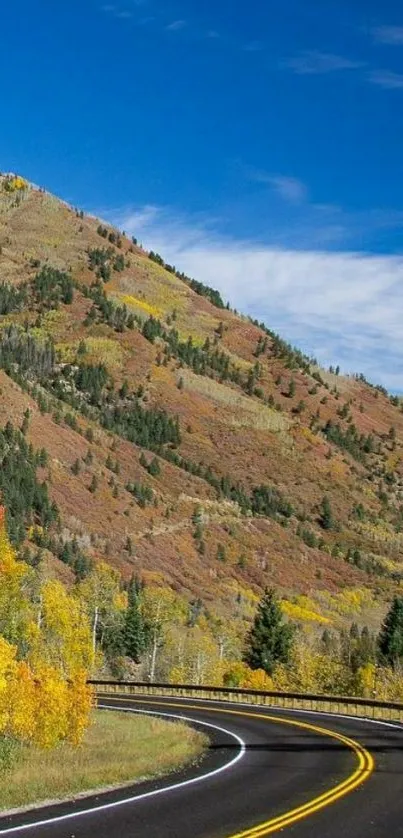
(265, 771)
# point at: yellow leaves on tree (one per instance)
(159, 607)
(194, 656)
(80, 700)
(312, 671)
(102, 599)
(62, 707)
(14, 183)
(238, 674)
(62, 635)
(14, 607)
(45, 652)
(257, 679)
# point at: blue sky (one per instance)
(258, 145)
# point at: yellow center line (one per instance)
(364, 768)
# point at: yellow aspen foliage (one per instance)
(238, 674)
(257, 679)
(100, 593)
(64, 636)
(8, 668)
(61, 707)
(15, 184)
(14, 607)
(23, 701)
(235, 673)
(205, 665)
(80, 701)
(177, 675)
(388, 684)
(365, 680)
(45, 698)
(311, 671)
(51, 721)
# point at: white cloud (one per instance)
(386, 79)
(176, 25)
(115, 11)
(392, 35)
(290, 189)
(344, 308)
(313, 62)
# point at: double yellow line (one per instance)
(365, 766)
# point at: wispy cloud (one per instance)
(342, 307)
(320, 63)
(290, 189)
(392, 35)
(386, 79)
(313, 62)
(176, 25)
(117, 11)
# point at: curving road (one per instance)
(265, 771)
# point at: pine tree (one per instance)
(390, 639)
(134, 633)
(326, 515)
(76, 467)
(93, 485)
(270, 639)
(88, 459)
(154, 468)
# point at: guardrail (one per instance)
(342, 705)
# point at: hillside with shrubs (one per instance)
(165, 459)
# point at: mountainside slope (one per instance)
(183, 442)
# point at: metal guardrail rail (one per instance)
(342, 705)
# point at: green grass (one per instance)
(118, 749)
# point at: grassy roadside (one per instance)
(118, 748)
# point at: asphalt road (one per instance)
(262, 764)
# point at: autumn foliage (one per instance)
(45, 650)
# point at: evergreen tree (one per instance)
(154, 468)
(326, 515)
(270, 638)
(76, 467)
(134, 633)
(93, 485)
(390, 639)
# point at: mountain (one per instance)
(144, 422)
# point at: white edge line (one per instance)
(103, 807)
